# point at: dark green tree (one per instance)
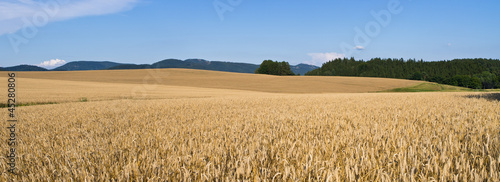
(417, 76)
(488, 80)
(265, 67)
(497, 84)
(274, 68)
(424, 76)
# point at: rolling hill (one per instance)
(302, 69)
(210, 65)
(227, 80)
(86, 65)
(130, 67)
(206, 65)
(167, 63)
(24, 68)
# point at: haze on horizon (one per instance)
(50, 32)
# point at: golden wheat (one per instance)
(253, 137)
(40, 91)
(226, 80)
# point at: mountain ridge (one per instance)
(200, 64)
(23, 67)
(86, 65)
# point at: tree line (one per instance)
(472, 73)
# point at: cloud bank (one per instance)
(319, 58)
(52, 63)
(16, 14)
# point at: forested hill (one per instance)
(210, 65)
(472, 73)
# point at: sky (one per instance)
(49, 33)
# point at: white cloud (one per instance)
(319, 58)
(52, 63)
(449, 44)
(16, 14)
(359, 47)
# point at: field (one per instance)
(189, 125)
(226, 80)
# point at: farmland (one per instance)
(191, 125)
(226, 80)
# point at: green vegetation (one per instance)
(436, 87)
(274, 68)
(4, 105)
(83, 99)
(470, 73)
(430, 87)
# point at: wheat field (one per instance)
(207, 133)
(227, 80)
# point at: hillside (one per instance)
(227, 80)
(167, 63)
(86, 65)
(210, 65)
(130, 67)
(24, 68)
(302, 69)
(206, 65)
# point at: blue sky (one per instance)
(51, 32)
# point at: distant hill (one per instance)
(24, 68)
(200, 64)
(130, 66)
(86, 65)
(210, 65)
(206, 65)
(194, 64)
(302, 69)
